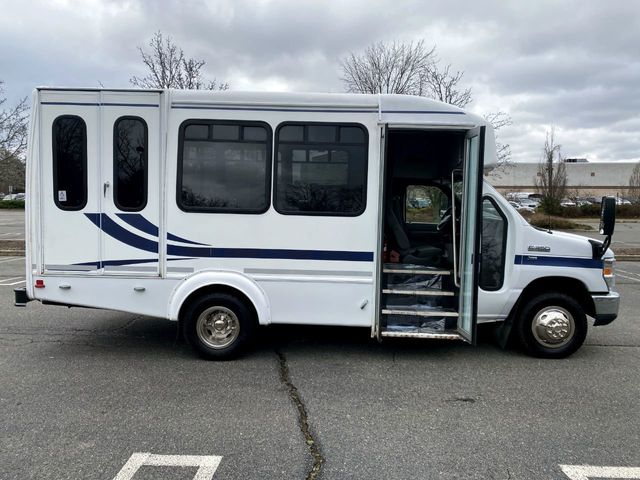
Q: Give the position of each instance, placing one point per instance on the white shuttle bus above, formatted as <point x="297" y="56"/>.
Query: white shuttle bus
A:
<point x="230" y="210"/>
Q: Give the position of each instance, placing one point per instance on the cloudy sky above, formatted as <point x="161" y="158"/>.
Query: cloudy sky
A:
<point x="574" y="65"/>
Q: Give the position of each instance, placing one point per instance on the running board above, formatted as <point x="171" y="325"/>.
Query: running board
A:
<point x="435" y="293"/>
<point x="434" y="336"/>
<point x="420" y="313"/>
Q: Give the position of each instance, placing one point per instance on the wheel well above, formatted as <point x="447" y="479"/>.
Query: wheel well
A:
<point x="209" y="289"/>
<point x="566" y="285"/>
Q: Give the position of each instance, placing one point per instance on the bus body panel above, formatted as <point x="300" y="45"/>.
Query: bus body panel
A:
<point x="286" y="265"/>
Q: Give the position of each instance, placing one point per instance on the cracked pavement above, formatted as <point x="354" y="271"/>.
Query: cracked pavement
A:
<point x="81" y="390"/>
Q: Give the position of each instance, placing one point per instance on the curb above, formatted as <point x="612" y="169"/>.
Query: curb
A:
<point x="11" y="253"/>
<point x="627" y="258"/>
<point x="12" y="248"/>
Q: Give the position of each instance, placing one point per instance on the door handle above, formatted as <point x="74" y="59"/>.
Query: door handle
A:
<point x="105" y="187"/>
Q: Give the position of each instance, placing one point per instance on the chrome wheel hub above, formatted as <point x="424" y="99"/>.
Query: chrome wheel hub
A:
<point x="553" y="327"/>
<point x="218" y="327"/>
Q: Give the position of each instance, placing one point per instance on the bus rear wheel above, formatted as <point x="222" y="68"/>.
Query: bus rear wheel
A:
<point x="551" y="325"/>
<point x="218" y="325"/>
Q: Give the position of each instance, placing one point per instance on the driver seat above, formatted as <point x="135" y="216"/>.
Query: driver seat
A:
<point x="418" y="255"/>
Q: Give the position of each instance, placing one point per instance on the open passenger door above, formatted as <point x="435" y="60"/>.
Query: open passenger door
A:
<point x="471" y="216"/>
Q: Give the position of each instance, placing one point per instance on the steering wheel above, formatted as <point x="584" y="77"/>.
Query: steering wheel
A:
<point x="445" y="220"/>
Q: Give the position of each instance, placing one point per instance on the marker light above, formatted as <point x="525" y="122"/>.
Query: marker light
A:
<point x="39" y="284"/>
<point x="609" y="272"/>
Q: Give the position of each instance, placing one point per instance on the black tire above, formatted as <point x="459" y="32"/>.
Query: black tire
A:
<point x="557" y="304"/>
<point x="213" y="343"/>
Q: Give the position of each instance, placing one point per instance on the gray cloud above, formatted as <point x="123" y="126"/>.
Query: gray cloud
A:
<point x="572" y="64"/>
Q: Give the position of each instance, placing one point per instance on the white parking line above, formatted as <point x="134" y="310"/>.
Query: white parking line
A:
<point x="208" y="464"/>
<point x="628" y="278"/>
<point x="5" y="280"/>
<point x="10" y="284"/>
<point x="11" y="259"/>
<point x="629" y="273"/>
<point x="584" y="472"/>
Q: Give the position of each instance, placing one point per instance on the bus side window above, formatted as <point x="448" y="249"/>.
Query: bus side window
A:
<point x="224" y="166"/>
<point x="69" y="133"/>
<point x="130" y="163"/>
<point x="321" y="169"/>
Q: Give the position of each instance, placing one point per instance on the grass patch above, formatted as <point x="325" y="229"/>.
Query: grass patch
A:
<point x="554" y="223"/>
<point x="11" y="203"/>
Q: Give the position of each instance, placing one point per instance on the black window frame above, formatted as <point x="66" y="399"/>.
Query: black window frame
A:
<point x="55" y="163"/>
<point x="505" y="236"/>
<point x="320" y="146"/>
<point x="146" y="164"/>
<point x="268" y="160"/>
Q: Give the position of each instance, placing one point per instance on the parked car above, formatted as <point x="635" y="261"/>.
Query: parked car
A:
<point x="14" y="196"/>
<point x="622" y="201"/>
<point x="567" y="203"/>
<point x="522" y="208"/>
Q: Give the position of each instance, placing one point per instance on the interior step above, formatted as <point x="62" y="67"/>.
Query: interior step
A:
<point x="436" y="293"/>
<point x="416" y="311"/>
<point x="414" y="271"/>
<point x="418" y="334"/>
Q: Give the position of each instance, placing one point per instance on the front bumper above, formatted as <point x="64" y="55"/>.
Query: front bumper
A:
<point x="606" y="307"/>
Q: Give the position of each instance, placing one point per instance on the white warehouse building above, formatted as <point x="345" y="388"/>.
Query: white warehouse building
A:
<point x="583" y="178"/>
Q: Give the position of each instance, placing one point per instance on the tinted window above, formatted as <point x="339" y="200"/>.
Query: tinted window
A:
<point x="317" y="173"/>
<point x="494" y="234"/>
<point x="69" y="162"/>
<point x="130" y="163"/>
<point x="228" y="170"/>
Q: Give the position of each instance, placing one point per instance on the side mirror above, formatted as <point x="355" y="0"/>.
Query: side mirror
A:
<point x="607" y="216"/>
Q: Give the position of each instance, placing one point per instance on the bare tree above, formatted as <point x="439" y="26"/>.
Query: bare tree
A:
<point x="551" y="180"/>
<point x="404" y="68"/>
<point x="413" y="69"/>
<point x="498" y="120"/>
<point x="443" y="85"/>
<point x="13" y="127"/>
<point x="389" y="68"/>
<point x="633" y="192"/>
<point x="169" y="68"/>
<point x="13" y="142"/>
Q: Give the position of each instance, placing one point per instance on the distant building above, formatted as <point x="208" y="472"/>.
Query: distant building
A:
<point x="583" y="178"/>
<point x="575" y="160"/>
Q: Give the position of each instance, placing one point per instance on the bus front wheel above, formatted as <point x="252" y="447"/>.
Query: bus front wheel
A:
<point x="218" y="325"/>
<point x="551" y="325"/>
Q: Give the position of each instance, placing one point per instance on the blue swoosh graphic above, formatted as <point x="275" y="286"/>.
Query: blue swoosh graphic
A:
<point x="136" y="220"/>
<point x="123" y="235"/>
<point x="111" y="228"/>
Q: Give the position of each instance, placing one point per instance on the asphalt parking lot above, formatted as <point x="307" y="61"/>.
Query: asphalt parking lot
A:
<point x="81" y="391"/>
<point x="11" y="224"/>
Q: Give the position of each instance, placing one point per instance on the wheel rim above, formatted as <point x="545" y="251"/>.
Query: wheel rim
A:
<point x="218" y="327"/>
<point x="553" y="327"/>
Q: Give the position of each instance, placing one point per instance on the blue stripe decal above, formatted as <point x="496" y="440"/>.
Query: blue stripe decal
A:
<point x="114" y="230"/>
<point x="547" y="261"/>
<point x="175" y="238"/>
<point x="136" y="220"/>
<point x="93" y="104"/>
<point x="279" y="254"/>
<point x="133" y="261"/>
